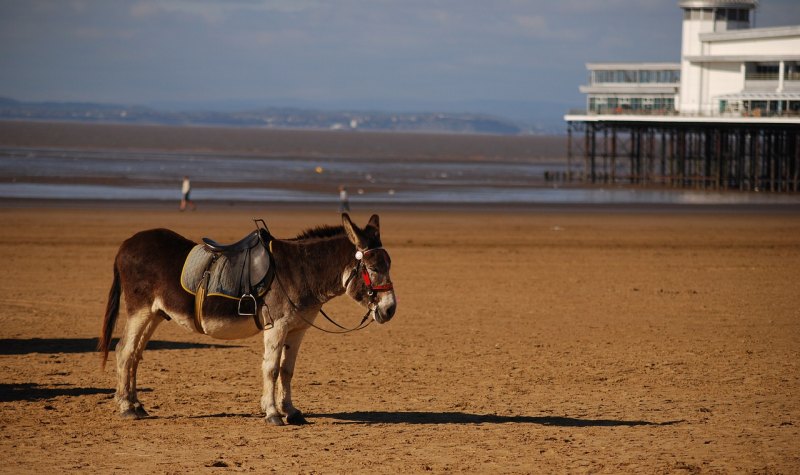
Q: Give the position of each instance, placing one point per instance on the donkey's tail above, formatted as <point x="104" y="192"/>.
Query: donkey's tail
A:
<point x="110" y="320"/>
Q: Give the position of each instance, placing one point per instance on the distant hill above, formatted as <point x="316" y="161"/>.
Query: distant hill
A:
<point x="275" y="118"/>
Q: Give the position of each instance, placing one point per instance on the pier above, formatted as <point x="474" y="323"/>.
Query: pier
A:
<point x="724" y="117"/>
<point x="746" y="156"/>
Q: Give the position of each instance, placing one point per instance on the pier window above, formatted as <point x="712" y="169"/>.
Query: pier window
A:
<point x="631" y="76"/>
<point x="761" y="71"/>
<point x="733" y="14"/>
<point x="732" y="106"/>
<point x="791" y="71"/>
<point x="616" y="76"/>
<point x="770" y="107"/>
<point x="610" y="105"/>
<point x="760" y="106"/>
<point x="669" y="76"/>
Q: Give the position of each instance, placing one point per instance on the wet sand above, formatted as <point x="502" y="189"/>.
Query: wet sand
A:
<point x="281" y="143"/>
<point x="540" y="340"/>
<point x="229" y="167"/>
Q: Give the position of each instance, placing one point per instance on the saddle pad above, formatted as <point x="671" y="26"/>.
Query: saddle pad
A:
<point x="226" y="272"/>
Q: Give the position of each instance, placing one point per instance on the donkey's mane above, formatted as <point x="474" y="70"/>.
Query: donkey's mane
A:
<point x="320" y="232"/>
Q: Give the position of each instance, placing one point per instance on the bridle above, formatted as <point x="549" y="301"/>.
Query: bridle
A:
<point x="372" y="291"/>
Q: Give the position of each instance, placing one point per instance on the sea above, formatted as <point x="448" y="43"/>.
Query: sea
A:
<point x="73" y="174"/>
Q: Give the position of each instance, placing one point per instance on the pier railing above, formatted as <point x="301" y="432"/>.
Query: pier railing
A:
<point x="674" y="113"/>
<point x="748" y="76"/>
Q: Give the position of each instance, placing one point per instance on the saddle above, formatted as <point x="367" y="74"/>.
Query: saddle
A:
<point x="248" y="242"/>
<point x="240" y="271"/>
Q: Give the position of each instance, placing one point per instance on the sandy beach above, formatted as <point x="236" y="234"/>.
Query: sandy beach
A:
<point x="525" y="341"/>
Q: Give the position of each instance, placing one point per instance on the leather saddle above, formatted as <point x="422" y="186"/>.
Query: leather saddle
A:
<point x="241" y="271"/>
<point x="248" y="242"/>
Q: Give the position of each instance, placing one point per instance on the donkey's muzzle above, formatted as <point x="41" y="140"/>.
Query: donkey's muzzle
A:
<point x="384" y="313"/>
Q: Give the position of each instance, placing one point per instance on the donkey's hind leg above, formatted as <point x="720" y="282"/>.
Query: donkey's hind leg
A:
<point x="138" y="330"/>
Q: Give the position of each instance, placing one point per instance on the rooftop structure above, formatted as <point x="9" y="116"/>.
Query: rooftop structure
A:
<point x="727" y="69"/>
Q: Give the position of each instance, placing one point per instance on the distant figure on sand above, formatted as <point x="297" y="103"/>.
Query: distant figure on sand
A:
<point x="344" y="201"/>
<point x="186" y="190"/>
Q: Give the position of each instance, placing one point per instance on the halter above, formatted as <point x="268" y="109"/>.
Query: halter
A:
<point x="372" y="290"/>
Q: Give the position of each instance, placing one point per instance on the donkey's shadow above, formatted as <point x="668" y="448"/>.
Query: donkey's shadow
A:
<point x="26" y="346"/>
<point x="438" y="418"/>
<point x="383" y="417"/>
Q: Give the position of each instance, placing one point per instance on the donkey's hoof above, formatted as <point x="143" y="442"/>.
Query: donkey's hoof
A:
<point x="296" y="419"/>
<point x="129" y="414"/>
<point x="140" y="412"/>
<point x="275" y="420"/>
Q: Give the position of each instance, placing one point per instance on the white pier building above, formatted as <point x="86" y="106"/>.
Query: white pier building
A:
<point x="727" y="69"/>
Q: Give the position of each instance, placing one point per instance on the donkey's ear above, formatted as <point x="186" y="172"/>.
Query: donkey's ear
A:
<point x="374" y="222"/>
<point x="372" y="232"/>
<point x="353" y="233"/>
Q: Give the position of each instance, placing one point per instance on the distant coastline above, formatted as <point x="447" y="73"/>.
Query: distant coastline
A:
<point x="265" y="117"/>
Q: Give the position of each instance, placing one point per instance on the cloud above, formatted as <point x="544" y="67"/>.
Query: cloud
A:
<point x="548" y="29"/>
<point x="144" y="9"/>
<point x="97" y="33"/>
<point x="532" y="22"/>
<point x="216" y="11"/>
<point x="616" y="6"/>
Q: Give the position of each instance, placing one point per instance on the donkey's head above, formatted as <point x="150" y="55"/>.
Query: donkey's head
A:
<point x="369" y="283"/>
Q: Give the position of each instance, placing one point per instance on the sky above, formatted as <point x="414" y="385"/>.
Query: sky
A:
<point x="357" y="54"/>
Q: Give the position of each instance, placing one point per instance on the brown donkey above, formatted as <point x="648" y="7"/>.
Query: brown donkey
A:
<point x="311" y="269"/>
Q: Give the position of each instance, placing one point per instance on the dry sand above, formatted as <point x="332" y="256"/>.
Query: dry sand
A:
<point x="524" y="342"/>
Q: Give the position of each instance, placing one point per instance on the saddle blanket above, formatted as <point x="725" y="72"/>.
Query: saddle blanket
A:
<point x="227" y="272"/>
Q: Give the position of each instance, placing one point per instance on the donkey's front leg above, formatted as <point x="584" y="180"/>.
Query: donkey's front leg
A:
<point x="284" y="389"/>
<point x="274" y="339"/>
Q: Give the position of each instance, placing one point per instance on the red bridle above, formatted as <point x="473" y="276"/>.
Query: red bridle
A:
<point x="371" y="289"/>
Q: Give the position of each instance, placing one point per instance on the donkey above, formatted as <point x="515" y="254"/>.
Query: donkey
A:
<point x="310" y="269"/>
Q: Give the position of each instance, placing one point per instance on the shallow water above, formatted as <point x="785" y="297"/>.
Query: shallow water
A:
<point x="127" y="175"/>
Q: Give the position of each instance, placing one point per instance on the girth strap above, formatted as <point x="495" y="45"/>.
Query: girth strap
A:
<point x="199" y="300"/>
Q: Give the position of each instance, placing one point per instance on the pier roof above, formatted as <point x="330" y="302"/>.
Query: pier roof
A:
<point x="751" y="34"/>
<point x="741" y="58"/>
<point x="633" y="66"/>
<point x="718" y="3"/>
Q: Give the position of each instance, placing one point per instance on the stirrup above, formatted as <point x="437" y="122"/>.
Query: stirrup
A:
<point x="248" y="297"/>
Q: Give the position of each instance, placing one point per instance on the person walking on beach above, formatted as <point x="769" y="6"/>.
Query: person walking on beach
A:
<point x="186" y="189"/>
<point x="344" y="200"/>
